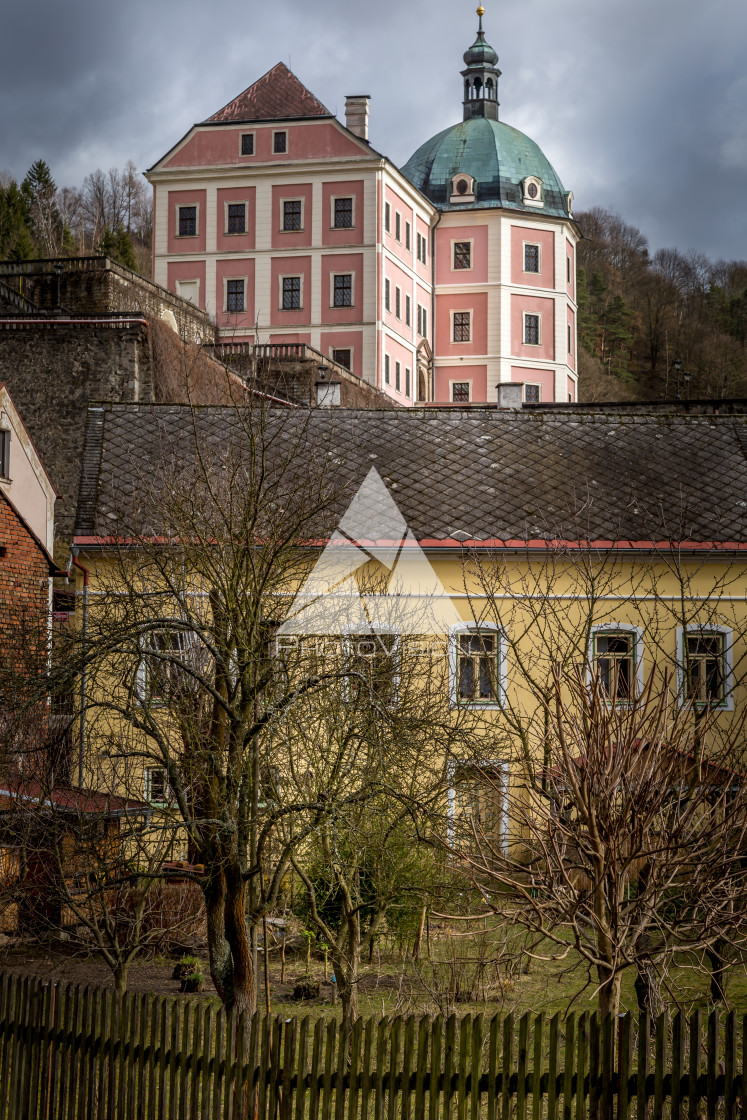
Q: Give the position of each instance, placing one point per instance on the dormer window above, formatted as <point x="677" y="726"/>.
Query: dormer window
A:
<point x="532" y="192"/>
<point x="462" y="188"/>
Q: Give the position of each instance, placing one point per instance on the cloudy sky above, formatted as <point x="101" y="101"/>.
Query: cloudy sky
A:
<point x="641" y="105"/>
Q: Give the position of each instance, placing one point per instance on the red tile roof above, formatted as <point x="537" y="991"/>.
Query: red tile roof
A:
<point x="277" y="95"/>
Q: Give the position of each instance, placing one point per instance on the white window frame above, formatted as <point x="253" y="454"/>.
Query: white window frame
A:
<point x="387" y="370"/>
<point x="5" y="438"/>
<point x="288" y="276"/>
<point x="462" y="311"/>
<point x="247" y="155"/>
<point x="536" y="385"/>
<point x="728" y="655"/>
<point x="147" y="780"/>
<point x="236" y="202"/>
<point x="422" y="320"/>
<point x="452" y="768"/>
<point x="463" y="241"/>
<point x="352" y="355"/>
<point x="345" y="306"/>
<point x="398" y="227"/>
<point x="397" y="376"/>
<point x="408" y="383"/>
<point x="177" y="207"/>
<point x="332" y="200"/>
<point x="534" y="245"/>
<point x="398" y="302"/>
<point x="292" y="198"/>
<point x="387" y="294"/>
<point x="619" y="628"/>
<point x="408" y="236"/>
<point x="538" y="315"/>
<point x="408" y="310"/>
<point x="500" y="701"/>
<point x="539" y="201"/>
<point x="278" y="132"/>
<point x="570" y="339"/>
<point x="459" y="381"/>
<point x="568" y="273"/>
<point x="469" y="194"/>
<point x="387" y="217"/>
<point x="225" y="294"/>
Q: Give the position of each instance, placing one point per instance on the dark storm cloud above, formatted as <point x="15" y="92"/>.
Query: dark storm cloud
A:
<point x="640" y="104"/>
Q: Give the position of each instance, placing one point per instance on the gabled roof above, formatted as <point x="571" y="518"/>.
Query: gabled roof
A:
<point x="277" y="95"/>
<point x="485" y="473"/>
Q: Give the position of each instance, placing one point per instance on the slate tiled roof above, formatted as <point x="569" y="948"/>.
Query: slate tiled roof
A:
<point x="480" y="472"/>
<point x="277" y="95"/>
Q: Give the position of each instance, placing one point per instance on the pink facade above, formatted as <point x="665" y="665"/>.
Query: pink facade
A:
<point x="398" y="279"/>
<point x="571" y="331"/>
<point x="521" y="306"/>
<point x="447" y="306"/>
<point x="475" y="377"/>
<point x="398" y="245"/>
<point x="545" y="378"/>
<point x="571" y="391"/>
<point x="193" y="243"/>
<point x="344" y="340"/>
<point x="477" y="237"/>
<point x="398" y="353"/>
<point x="187" y="271"/>
<point x="342" y="264"/>
<point x="570" y="270"/>
<point x="291" y="239"/>
<point x="331" y="191"/>
<point x="221" y="145"/>
<point x="544" y="240"/>
<point x="236" y="242"/>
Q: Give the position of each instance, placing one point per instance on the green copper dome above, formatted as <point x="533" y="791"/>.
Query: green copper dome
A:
<point x="498" y="157"/>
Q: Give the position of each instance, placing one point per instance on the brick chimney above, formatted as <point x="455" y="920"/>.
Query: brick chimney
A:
<point x="356" y="114"/>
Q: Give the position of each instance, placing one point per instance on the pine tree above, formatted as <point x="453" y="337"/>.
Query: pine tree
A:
<point x="117" y="246"/>
<point x="40" y="191"/>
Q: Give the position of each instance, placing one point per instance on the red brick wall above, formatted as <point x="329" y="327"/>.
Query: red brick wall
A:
<point x="24" y="575"/>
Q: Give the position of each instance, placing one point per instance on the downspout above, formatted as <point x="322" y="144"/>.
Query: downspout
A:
<point x="75" y="562"/>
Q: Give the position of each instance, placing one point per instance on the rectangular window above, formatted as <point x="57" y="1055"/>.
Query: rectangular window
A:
<point x="247" y="143"/>
<point x="462" y="326"/>
<point x="235" y="295"/>
<point x="343" y="358"/>
<point x="387" y="296"/>
<point x="408" y="310"/>
<point x="704" y="668"/>
<point x="568" y="268"/>
<point x="531" y="258"/>
<point x="162" y="674"/>
<point x="479" y="806"/>
<point x="532" y="394"/>
<point x="408" y="236"/>
<point x="531" y="330"/>
<point x="387" y="217"/>
<point x="398" y="226"/>
<point x="292" y="213"/>
<point x="408" y="382"/>
<point x="343" y="213"/>
<point x="570" y="340"/>
<point x="343" y="290"/>
<point x="460" y="392"/>
<point x="421" y="248"/>
<point x="477" y="667"/>
<point x="236" y="217"/>
<point x="187" y="221"/>
<point x="397" y="376"/>
<point x="374" y="664"/>
<point x="398" y="302"/>
<point x="424" y="331"/>
<point x="4" y="453"/>
<point x="280" y="143"/>
<point x="291" y="293"/>
<point x="614" y="659"/>
<point x="462" y="255"/>
<point x="386" y="369"/>
<point x="156" y="785"/>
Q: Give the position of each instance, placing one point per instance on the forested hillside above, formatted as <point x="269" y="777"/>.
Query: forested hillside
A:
<point x="653" y="326"/>
<point x="111" y="213"/>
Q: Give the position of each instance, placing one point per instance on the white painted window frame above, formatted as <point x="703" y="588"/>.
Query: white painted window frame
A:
<point x="462" y="311"/>
<point x="292" y="198"/>
<point x="387" y="370"/>
<point x="225" y="294"/>
<point x="191" y="280"/>
<point x="619" y="628"/>
<point x="469" y="194"/>
<point x="345" y="306"/>
<point x="236" y="202"/>
<point x="534" y="384"/>
<point x="463" y="241"/>
<point x="534" y="245"/>
<point x="289" y="276"/>
<point x="500" y="702"/>
<point x="352" y="354"/>
<point x="186" y="236"/>
<point x="728" y="655"/>
<point x="538" y="315"/>
<point x="277" y="132"/>
<point x="333" y="198"/>
<point x="459" y="381"/>
<point x="247" y="155"/>
<point x="539" y="201"/>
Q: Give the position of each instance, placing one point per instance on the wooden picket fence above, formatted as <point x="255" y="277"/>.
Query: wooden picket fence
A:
<point x="80" y="1053"/>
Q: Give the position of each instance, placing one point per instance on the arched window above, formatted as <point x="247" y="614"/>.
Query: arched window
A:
<point x="478" y="88"/>
<point x="489" y="89"/>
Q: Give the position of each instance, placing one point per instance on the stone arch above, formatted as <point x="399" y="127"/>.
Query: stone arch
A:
<point x="169" y="318"/>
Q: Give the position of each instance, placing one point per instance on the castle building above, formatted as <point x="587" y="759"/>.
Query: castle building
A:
<point x="435" y="282"/>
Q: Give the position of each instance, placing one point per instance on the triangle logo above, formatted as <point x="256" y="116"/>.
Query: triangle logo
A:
<point x="372" y="576"/>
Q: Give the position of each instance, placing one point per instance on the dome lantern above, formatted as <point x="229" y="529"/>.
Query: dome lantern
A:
<point x="481" y="77"/>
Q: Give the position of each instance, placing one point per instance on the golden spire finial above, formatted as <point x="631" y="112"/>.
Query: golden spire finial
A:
<point x="481" y="11"/>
